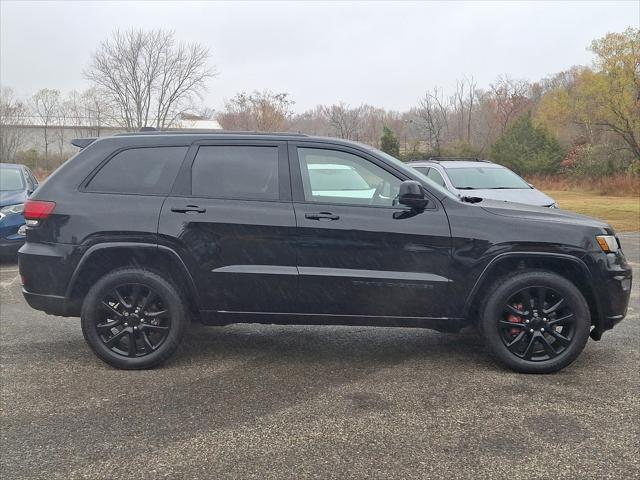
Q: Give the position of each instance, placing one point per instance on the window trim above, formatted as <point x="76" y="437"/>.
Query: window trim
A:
<point x="297" y="186"/>
<point x="183" y="186"/>
<point x="83" y="187"/>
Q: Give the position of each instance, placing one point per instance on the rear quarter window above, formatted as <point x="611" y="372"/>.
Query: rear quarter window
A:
<point x="145" y="171"/>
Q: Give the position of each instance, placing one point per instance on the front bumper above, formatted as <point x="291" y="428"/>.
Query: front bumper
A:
<point x="613" y="290"/>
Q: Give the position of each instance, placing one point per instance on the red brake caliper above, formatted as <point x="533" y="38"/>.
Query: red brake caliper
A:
<point x="515" y="319"/>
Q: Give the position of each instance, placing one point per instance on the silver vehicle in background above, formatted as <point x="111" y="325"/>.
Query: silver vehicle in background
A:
<point x="469" y="177"/>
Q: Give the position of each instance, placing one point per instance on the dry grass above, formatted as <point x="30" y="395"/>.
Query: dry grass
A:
<point x="622" y="213"/>
<point x="615" y="185"/>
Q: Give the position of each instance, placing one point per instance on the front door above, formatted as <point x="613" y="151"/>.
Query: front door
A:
<point x="357" y="252"/>
<point x="231" y="218"/>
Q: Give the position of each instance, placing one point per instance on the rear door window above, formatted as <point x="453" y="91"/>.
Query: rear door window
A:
<point x="238" y="171"/>
<point x="146" y="171"/>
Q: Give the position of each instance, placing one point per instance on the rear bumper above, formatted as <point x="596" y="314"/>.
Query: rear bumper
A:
<point x="51" y="304"/>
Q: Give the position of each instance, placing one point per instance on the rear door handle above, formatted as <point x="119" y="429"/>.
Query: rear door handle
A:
<point x="322" y="216"/>
<point x="189" y="209"/>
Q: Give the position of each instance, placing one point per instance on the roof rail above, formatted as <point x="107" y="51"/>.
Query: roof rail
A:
<point x="197" y="131"/>
<point x="457" y="159"/>
<point x="82" y="142"/>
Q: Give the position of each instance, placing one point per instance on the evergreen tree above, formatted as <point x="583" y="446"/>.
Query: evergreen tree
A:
<point x="527" y="149"/>
<point x="389" y="143"/>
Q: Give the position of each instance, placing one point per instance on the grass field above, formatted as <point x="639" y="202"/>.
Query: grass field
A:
<point x="622" y="213"/>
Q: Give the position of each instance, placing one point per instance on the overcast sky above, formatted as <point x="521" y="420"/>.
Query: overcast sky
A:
<point x="382" y="53"/>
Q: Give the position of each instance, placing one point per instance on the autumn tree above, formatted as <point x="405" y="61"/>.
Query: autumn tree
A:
<point x="604" y="99"/>
<point x="264" y="111"/>
<point x="149" y="77"/>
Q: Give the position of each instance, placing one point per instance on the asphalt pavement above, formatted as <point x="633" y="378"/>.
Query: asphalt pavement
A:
<point x="257" y="401"/>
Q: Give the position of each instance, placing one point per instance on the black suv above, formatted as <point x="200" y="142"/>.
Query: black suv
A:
<point x="140" y="234"/>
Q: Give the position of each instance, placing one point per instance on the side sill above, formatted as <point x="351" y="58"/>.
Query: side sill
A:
<point x="212" y="317"/>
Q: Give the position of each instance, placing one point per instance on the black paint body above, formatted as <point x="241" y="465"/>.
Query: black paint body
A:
<point x="265" y="261"/>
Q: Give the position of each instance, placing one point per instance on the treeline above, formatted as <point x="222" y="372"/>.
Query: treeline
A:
<point x="584" y="122"/>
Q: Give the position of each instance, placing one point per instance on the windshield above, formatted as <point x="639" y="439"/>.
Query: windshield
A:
<point x="434" y="187"/>
<point x="10" y="179"/>
<point x="477" y="178"/>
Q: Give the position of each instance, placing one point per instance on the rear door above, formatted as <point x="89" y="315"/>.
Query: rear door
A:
<point x="358" y="253"/>
<point x="231" y="218"/>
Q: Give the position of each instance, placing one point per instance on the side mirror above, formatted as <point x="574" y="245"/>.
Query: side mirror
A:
<point x="412" y="195"/>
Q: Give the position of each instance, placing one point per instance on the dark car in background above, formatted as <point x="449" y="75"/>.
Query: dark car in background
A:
<point x="16" y="184"/>
<point x="139" y="234"/>
<point x="483" y="179"/>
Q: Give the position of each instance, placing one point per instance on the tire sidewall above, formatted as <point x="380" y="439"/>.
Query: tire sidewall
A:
<point x="494" y="307"/>
<point x="171" y="299"/>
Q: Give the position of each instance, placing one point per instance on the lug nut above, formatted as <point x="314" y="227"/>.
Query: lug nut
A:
<point x="126" y="314"/>
<point x="126" y="324"/>
<point x="135" y="328"/>
<point x="526" y="321"/>
<point x="531" y="331"/>
<point x="542" y="329"/>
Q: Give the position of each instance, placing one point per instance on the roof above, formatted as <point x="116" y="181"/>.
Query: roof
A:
<point x="11" y="165"/>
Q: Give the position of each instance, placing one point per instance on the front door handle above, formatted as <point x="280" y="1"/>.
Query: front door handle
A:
<point x="322" y="216"/>
<point x="189" y="209"/>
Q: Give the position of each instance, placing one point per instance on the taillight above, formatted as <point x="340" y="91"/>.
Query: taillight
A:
<point x="37" y="209"/>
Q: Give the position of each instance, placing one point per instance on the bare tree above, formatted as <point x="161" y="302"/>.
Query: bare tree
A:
<point x="259" y="111"/>
<point x="46" y="103"/>
<point x="149" y="77"/>
<point x="510" y="100"/>
<point x="13" y="116"/>
<point x="88" y="112"/>
<point x="433" y="113"/>
<point x="346" y="122"/>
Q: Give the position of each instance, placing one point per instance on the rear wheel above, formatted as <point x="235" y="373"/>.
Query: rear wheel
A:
<point x="133" y="318"/>
<point x="535" y="322"/>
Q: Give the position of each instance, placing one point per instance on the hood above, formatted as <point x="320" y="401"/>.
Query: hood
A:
<point x="529" y="196"/>
<point x="522" y="211"/>
<point x="11" y="197"/>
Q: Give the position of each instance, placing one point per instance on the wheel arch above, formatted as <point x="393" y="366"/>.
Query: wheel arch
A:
<point x="568" y="266"/>
<point x="102" y="258"/>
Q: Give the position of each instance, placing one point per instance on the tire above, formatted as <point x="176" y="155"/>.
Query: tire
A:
<point x="133" y="303"/>
<point x="540" y="340"/>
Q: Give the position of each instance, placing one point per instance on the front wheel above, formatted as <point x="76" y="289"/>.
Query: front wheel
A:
<point x="133" y="318"/>
<point x="535" y="322"/>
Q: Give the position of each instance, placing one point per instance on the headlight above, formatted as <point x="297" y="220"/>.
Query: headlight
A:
<point x="608" y="243"/>
<point x="11" y="209"/>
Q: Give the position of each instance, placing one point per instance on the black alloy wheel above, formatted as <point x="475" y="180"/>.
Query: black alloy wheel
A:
<point x="535" y="321"/>
<point x="133" y="318"/>
<point x="538" y="324"/>
<point x="135" y="321"/>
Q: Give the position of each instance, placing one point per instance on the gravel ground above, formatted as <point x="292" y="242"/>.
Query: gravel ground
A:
<point x="253" y="401"/>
